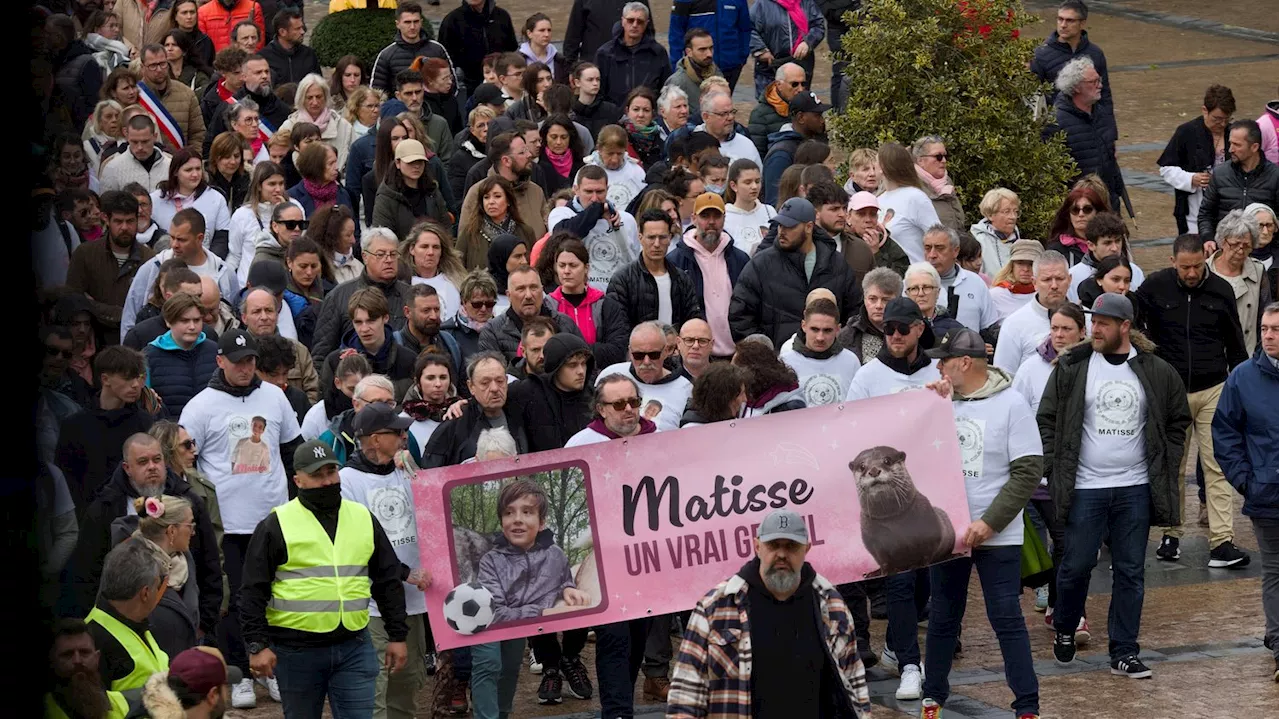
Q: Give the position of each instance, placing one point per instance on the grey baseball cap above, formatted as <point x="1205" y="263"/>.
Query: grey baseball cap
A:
<point x="1109" y="304"/>
<point x="795" y="211"/>
<point x="311" y="456"/>
<point x="783" y="524"/>
<point x="959" y="342"/>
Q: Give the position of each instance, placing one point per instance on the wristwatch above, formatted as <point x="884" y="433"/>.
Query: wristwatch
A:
<point x="254" y="647"/>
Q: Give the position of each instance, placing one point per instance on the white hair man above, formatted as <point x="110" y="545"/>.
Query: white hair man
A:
<point x="963" y="293"/>
<point x="773" y="110"/>
<point x="1237" y="236"/>
<point x="1090" y="137"/>
<point x="381" y="252"/>
<point x="1024" y="330"/>
<point x="719" y="119"/>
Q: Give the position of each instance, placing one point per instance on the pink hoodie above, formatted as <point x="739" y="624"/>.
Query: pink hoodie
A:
<point x="717" y="290"/>
<point x="581" y="315"/>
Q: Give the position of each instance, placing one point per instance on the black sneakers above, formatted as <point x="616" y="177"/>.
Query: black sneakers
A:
<point x="1168" y="550"/>
<point x="550" y="687"/>
<point x="1064" y="648"/>
<point x="1130" y="666"/>
<point x="1228" y="555"/>
<point x="575" y="674"/>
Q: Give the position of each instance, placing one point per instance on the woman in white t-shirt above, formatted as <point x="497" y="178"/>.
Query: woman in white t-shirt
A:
<point x="746" y="219"/>
<point x="428" y="256"/>
<point x="904" y="195"/>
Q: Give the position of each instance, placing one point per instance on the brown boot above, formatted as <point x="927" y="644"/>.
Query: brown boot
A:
<point x="656" y="688"/>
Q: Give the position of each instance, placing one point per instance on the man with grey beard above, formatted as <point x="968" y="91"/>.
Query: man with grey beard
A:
<point x="798" y="668"/>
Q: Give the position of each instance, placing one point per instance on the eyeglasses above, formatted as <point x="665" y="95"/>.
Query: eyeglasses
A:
<point x="383" y="255"/>
<point x="386" y="431"/>
<point x="294" y="224"/>
<point x="726" y="113"/>
<point x="653" y="356"/>
<point x="696" y="341"/>
<point x="156" y="65"/>
<point x="482" y="304"/>
<point x="188" y="444"/>
<point x="1235" y="246"/>
<point x="939" y="156"/>
<point x="896" y="328"/>
<point x="921" y="289"/>
<point x="619" y="405"/>
<point x="51" y="351"/>
<point x="1266" y="225"/>
<point x="1082" y="210"/>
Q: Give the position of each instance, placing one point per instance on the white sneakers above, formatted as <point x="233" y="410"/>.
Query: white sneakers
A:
<point x="272" y="686"/>
<point x="242" y="696"/>
<point x="909" y="687"/>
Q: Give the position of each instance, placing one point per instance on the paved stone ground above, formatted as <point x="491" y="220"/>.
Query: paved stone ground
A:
<point x="1202" y="627"/>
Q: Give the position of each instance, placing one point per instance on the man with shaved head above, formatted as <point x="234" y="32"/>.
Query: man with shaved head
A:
<point x="217" y="315"/>
<point x="659" y="385"/>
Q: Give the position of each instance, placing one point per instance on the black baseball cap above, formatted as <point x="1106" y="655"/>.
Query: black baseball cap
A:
<point x="236" y="345"/>
<point x="959" y="342"/>
<point x="377" y="417"/>
<point x="268" y="275"/>
<point x="902" y="309"/>
<point x="807" y="102"/>
<point x="488" y="94"/>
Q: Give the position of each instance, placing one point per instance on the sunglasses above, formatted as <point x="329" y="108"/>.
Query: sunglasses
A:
<point x="652" y="356"/>
<point x="801" y="83"/>
<point x="483" y="304"/>
<point x="896" y="328"/>
<point x="1082" y="210"/>
<point x="619" y="405"/>
<point x="188" y="444"/>
<point x="940" y="157"/>
<point x="54" y="352"/>
<point x="294" y="224"/>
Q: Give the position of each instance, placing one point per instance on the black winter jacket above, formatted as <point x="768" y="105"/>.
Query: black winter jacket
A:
<point x="683" y="258"/>
<point x="470" y="152"/>
<point x="769" y="295"/>
<point x="591" y="24"/>
<point x="85" y="567"/>
<point x="1231" y="188"/>
<point x="549" y="414"/>
<point x="398" y="56"/>
<point x="176" y="374"/>
<point x="468" y="340"/>
<point x="599" y="113"/>
<point x="289" y="65"/>
<point x="393" y="361"/>
<point x="468" y="36"/>
<point x="502" y="334"/>
<point x="634" y="288"/>
<point x="623" y="68"/>
<point x="1190" y="149"/>
<point x="1091" y="142"/>
<point x="334" y="323"/>
<point x="1050" y="58"/>
<point x="176" y="618"/>
<point x="90" y="446"/>
<point x="1061" y="421"/>
<point x="1195" y="329"/>
<point x="454" y="441"/>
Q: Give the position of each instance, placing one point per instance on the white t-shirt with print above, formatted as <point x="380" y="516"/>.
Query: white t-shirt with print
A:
<point x="993" y="432"/>
<point x="248" y="474"/>
<point x="822" y="381"/>
<point x="389" y="499"/>
<point x="1112" y="443"/>
<point x="877" y="380"/>
<point x="662" y="403"/>
<point x="747" y="228"/>
<point x="610" y="248"/>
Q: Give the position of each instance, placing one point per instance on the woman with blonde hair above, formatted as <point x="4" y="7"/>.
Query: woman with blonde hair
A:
<point x="103" y="134"/>
<point x="165" y="525"/>
<point x="311" y="104"/>
<point x="998" y="230"/>
<point x="864" y="171"/>
<point x="361" y="110"/>
<point x="428" y="256"/>
<point x="471" y="148"/>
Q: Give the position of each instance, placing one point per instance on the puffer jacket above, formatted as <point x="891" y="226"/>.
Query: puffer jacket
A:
<point x="635" y="290"/>
<point x="599" y="113"/>
<point x="1246" y="441"/>
<point x="502" y="334"/>
<point x="729" y="23"/>
<point x="216" y="19"/>
<point x="1231" y="188"/>
<point x="1195" y="329"/>
<point x="769" y="295"/>
<point x="1091" y="142"/>
<point x="334" y="323"/>
<point x="176" y="374"/>
<point x="767" y="117"/>
<point x="607" y="333"/>
<point x="454" y="441"/>
<point x="468" y="35"/>
<point x="398" y="56"/>
<point x="391" y="209"/>
<point x="183" y="104"/>
<point x="466" y="338"/>
<point x="1061" y="421"/>
<point x="549" y="414"/>
<point x="1050" y="58"/>
<point x="524" y="583"/>
<point x="79" y="79"/>
<point x="623" y="68"/>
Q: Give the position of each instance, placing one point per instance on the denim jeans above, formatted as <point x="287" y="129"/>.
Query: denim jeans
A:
<point x="495" y="669"/>
<point x="1125" y="512"/>
<point x="900" y="602"/>
<point x="343" y="672"/>
<point x="619" y="653"/>
<point x="1000" y="574"/>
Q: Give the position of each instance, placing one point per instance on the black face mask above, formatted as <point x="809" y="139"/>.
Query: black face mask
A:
<point x="325" y="498"/>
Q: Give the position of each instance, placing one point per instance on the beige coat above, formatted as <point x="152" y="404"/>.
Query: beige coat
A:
<point x="529" y="203"/>
<point x="1249" y="298"/>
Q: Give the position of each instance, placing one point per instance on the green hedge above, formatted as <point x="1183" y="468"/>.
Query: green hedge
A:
<point x="362" y="33"/>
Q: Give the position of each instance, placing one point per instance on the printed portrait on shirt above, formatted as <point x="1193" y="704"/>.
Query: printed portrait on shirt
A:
<point x="250" y="455"/>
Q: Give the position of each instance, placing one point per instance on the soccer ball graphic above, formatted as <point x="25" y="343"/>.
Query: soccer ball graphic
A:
<point x="469" y="608"/>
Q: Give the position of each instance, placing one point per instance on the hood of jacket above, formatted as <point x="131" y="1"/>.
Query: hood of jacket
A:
<point x="527" y="50"/>
<point x="902" y="365"/>
<point x="219" y="382"/>
<point x="361" y="463"/>
<point x="167" y="343"/>
<point x="264" y="240"/>
<point x="160" y="701"/>
<point x="750" y="573"/>
<point x="499" y="252"/>
<point x="692" y="416"/>
<point x="774" y="396"/>
<point x="1083" y="350"/>
<point x="998" y="381"/>
<point x="786" y="132"/>
<point x="1061" y="45"/>
<point x="800" y="348"/>
<point x="558" y="349"/>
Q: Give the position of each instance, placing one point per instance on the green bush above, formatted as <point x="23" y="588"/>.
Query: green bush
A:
<point x="959" y="70"/>
<point x="362" y="33"/>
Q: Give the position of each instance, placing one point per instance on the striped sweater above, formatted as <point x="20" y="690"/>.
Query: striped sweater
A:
<point x="712" y="677"/>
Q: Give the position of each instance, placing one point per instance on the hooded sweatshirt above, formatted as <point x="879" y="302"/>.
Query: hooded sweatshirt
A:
<point x="580" y="313"/>
<point x="598" y="431"/>
<point x="717" y="289"/>
<point x="387" y="493"/>
<point x="779" y="398"/>
<point x="524" y="582"/>
<point x="552" y="415"/>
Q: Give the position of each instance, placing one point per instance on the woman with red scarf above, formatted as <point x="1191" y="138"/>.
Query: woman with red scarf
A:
<point x="1066" y="232"/>
<point x="428" y="399"/>
<point x="318" y="165"/>
<point x="1014" y="285"/>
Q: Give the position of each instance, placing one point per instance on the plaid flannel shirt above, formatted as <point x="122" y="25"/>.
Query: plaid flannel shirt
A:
<point x="712" y="678"/>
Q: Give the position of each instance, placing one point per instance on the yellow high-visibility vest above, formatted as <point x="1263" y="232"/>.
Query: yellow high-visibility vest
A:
<point x="324" y="583"/>
<point x="148" y="658"/>
<point x="119" y="708"/>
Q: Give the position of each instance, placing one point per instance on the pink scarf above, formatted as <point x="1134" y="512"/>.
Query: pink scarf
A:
<point x="1073" y="241"/>
<point x="321" y="122"/>
<point x="562" y="164"/>
<point x="322" y="194"/>
<point x="799" y="19"/>
<point x="941" y="186"/>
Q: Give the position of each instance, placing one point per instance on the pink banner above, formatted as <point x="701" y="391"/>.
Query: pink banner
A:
<point x="646" y="526"/>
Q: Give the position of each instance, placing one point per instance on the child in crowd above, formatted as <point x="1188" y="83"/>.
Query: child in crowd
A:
<point x="714" y="172"/>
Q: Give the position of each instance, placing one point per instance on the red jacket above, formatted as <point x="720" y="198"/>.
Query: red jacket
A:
<point x="216" y="21"/>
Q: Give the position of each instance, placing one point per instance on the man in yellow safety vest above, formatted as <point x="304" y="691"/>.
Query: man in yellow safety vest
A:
<point x="133" y="580"/>
<point x="311" y="569"/>
<point x="77" y="689"/>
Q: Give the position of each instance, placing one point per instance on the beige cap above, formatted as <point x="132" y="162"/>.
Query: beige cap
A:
<point x="410" y="151"/>
<point x="1027" y="250"/>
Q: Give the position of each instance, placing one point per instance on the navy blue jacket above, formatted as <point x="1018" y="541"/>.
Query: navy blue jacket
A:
<point x="728" y="21"/>
<point x="780" y="155"/>
<point x="681" y="255"/>
<point x="299" y="193"/>
<point x="176" y="374"/>
<point x="1245" y="440"/>
<point x="1049" y="59"/>
<point x="1091" y="142"/>
<point x="360" y="161"/>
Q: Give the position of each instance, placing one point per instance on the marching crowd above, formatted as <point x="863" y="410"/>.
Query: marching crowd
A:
<point x="484" y="245"/>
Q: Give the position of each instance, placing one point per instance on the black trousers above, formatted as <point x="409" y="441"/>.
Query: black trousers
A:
<point x="230" y="640"/>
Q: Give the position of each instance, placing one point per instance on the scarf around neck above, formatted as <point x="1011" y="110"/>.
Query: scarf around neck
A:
<point x="562" y="163"/>
<point x="73" y="180"/>
<point x="798" y="18"/>
<point x="1072" y="241"/>
<point x="1017" y="288"/>
<point x="324" y="195"/>
<point x="422" y="410"/>
<point x="321" y="122"/>
<point x="475" y="325"/>
<point x="644" y="140"/>
<point x="1046" y="351"/>
<point x="698" y="74"/>
<point x="940" y="186"/>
